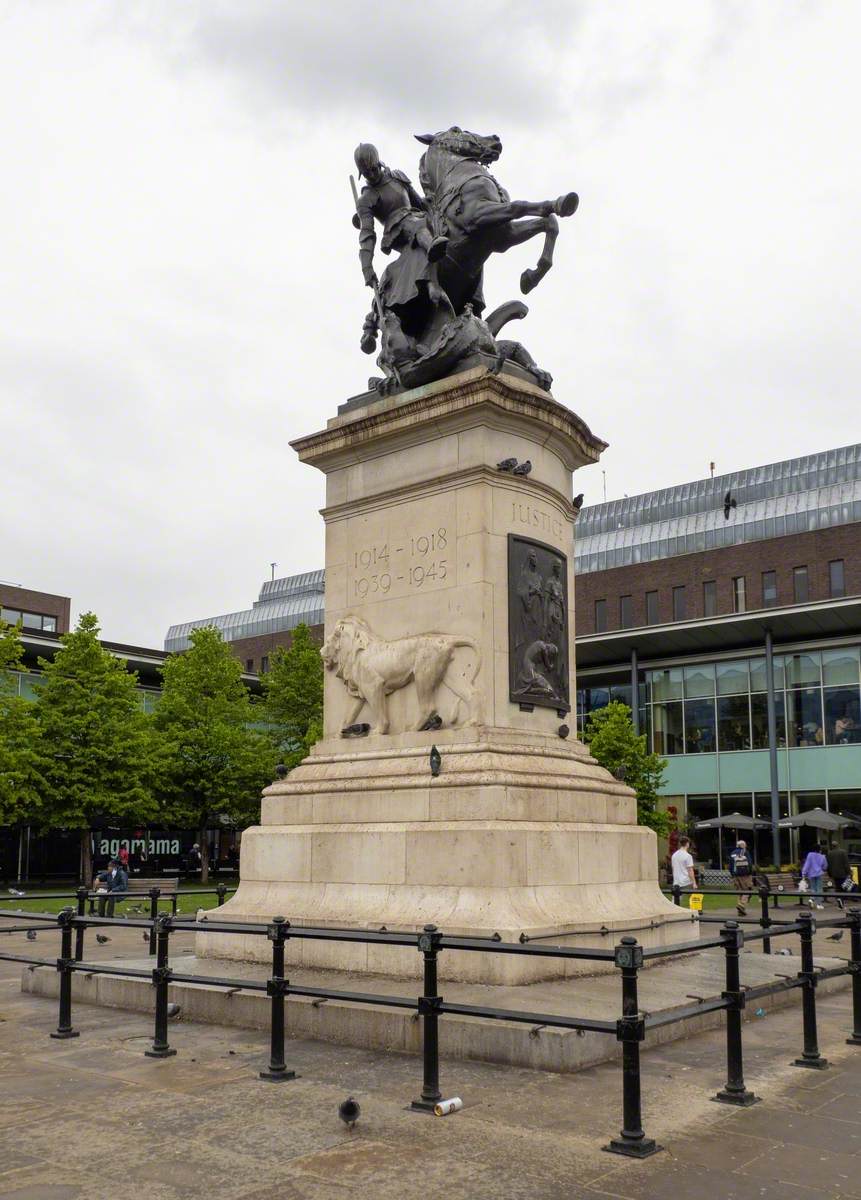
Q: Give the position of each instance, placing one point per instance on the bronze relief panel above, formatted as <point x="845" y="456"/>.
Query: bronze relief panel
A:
<point x="537" y="624"/>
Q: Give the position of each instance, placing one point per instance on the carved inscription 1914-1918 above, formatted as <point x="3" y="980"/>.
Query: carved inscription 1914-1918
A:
<point x="537" y="624"/>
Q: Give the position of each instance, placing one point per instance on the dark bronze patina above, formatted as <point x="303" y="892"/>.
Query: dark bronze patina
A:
<point x="429" y="301"/>
<point x="537" y="625"/>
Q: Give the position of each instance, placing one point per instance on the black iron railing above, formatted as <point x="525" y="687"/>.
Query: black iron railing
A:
<point x="628" y="956"/>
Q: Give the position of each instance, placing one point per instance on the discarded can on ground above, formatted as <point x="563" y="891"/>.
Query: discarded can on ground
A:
<point x="448" y="1106"/>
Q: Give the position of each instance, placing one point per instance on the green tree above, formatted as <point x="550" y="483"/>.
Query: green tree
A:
<point x="95" y="735"/>
<point x="610" y="736"/>
<point x="211" y="763"/>
<point x="293" y="691"/>
<point x="21" y="779"/>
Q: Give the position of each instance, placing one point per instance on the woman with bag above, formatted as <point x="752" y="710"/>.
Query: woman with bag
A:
<point x="815" y="866"/>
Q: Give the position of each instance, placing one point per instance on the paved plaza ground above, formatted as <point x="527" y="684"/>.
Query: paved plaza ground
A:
<point x="92" y="1116"/>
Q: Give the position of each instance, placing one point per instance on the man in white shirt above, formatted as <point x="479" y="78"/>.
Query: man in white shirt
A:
<point x="683" y="865"/>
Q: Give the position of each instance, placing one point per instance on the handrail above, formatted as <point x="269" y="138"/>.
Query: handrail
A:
<point x="628" y="957"/>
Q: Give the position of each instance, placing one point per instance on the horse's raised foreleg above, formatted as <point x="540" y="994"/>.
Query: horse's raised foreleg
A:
<point x="532" y="277"/>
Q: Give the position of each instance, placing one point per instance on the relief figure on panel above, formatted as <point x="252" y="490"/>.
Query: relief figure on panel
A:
<point x="372" y="668"/>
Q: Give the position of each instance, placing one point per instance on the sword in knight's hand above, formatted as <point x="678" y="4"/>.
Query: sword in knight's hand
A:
<point x="376" y="287"/>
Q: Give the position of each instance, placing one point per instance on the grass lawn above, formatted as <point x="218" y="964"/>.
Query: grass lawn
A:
<point x="32" y="903"/>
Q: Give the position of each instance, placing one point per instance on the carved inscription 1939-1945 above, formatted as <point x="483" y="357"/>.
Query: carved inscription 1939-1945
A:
<point x="537" y="624"/>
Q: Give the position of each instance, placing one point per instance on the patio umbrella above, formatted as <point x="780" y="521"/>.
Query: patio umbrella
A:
<point x="733" y="821"/>
<point x="815" y="818"/>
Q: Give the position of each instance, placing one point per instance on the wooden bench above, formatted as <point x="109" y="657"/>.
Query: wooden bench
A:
<point x="779" y="881"/>
<point x="139" y="889"/>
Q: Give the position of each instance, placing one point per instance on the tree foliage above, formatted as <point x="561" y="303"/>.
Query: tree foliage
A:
<point x="209" y="762"/>
<point x="610" y="736"/>
<point x="293" y="690"/>
<point x="95" y="738"/>
<point x="21" y="779"/>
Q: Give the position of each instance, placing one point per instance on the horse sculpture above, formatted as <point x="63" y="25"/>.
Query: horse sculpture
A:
<point x="429" y="311"/>
<point x="477" y="214"/>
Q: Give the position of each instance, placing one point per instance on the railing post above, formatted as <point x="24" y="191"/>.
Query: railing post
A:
<point x="221" y="891"/>
<point x="854" y="915"/>
<point x="735" y="1092"/>
<point x="79" y="932"/>
<point x="276" y="987"/>
<point x="677" y="894"/>
<point x="64" y="966"/>
<point x="161" y="980"/>
<point x="765" y="919"/>
<point x="630" y="1031"/>
<point x="810" y="1056"/>
<point x="154" y="894"/>
<point x="429" y="1007"/>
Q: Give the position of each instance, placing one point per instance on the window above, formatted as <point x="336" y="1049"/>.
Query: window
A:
<point x="29" y="620"/>
<point x="249" y="665"/>
<point x="600" y="616"/>
<point x="759" y="719"/>
<point x="738" y="594"/>
<point x="733" y="723"/>
<point x="264" y="664"/>
<point x="710" y="598"/>
<point x="679" y="606"/>
<point x="769" y="589"/>
<point x="836" y="579"/>
<point x="842" y="716"/>
<point x="799" y="585"/>
<point x="626" y="612"/>
<point x="732" y="677"/>
<point x="49" y="624"/>
<point x="668" y="728"/>
<point x="804" y="717"/>
<point x="699" y="726"/>
<point x="652" y="608"/>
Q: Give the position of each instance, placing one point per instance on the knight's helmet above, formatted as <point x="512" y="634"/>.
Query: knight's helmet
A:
<point x="366" y="157"/>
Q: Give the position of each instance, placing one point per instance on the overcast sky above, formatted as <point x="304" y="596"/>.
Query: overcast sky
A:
<point x="181" y="292"/>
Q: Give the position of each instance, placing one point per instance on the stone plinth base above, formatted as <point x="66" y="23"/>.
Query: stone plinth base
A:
<point x="518" y="834"/>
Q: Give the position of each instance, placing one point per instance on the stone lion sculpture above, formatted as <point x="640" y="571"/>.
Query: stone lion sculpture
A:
<point x="372" y="668"/>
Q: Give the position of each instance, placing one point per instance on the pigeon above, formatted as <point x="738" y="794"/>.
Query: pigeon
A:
<point x="15" y="892"/>
<point x="835" y="937"/>
<point x="522" y="468"/>
<point x="101" y="939"/>
<point x="729" y="503"/>
<point x="785" y="950"/>
<point x="31" y="935"/>
<point x="146" y="936"/>
<point x="578" y="501"/>
<point x="507" y="464"/>
<point x="173" y="1010"/>
<point x="348" y="1111"/>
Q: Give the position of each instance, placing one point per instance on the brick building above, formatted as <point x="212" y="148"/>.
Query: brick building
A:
<point x="681" y="597"/>
<point x="35" y="610"/>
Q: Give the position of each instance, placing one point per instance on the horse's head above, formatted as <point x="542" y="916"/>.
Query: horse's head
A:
<point x="484" y="148"/>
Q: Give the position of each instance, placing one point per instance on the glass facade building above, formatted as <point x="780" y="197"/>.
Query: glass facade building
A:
<point x="795" y="496"/>
<point x="282" y="605"/>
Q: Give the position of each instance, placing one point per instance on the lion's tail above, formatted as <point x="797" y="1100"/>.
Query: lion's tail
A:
<point x="473" y="645"/>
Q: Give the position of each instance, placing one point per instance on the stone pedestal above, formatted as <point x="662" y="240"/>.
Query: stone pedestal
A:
<point x="520" y="831"/>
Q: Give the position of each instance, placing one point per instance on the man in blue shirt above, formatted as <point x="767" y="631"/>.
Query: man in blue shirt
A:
<point x="741" y="869"/>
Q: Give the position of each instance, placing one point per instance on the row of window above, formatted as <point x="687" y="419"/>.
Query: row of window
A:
<point x="708" y="707"/>
<point x="768" y="595"/>
<point x="29" y="620"/>
<point x="264" y="665"/>
<point x="28" y="682"/>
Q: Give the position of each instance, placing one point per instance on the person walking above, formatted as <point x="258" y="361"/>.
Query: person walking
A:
<point x="815" y="866"/>
<point x="840" y="872"/>
<point x="683" y="865"/>
<point x="741" y="870"/>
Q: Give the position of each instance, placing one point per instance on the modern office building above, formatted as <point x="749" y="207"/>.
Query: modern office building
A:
<point x="35" y="610"/>
<point x="678" y="592"/>
<point x="255" y="632"/>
